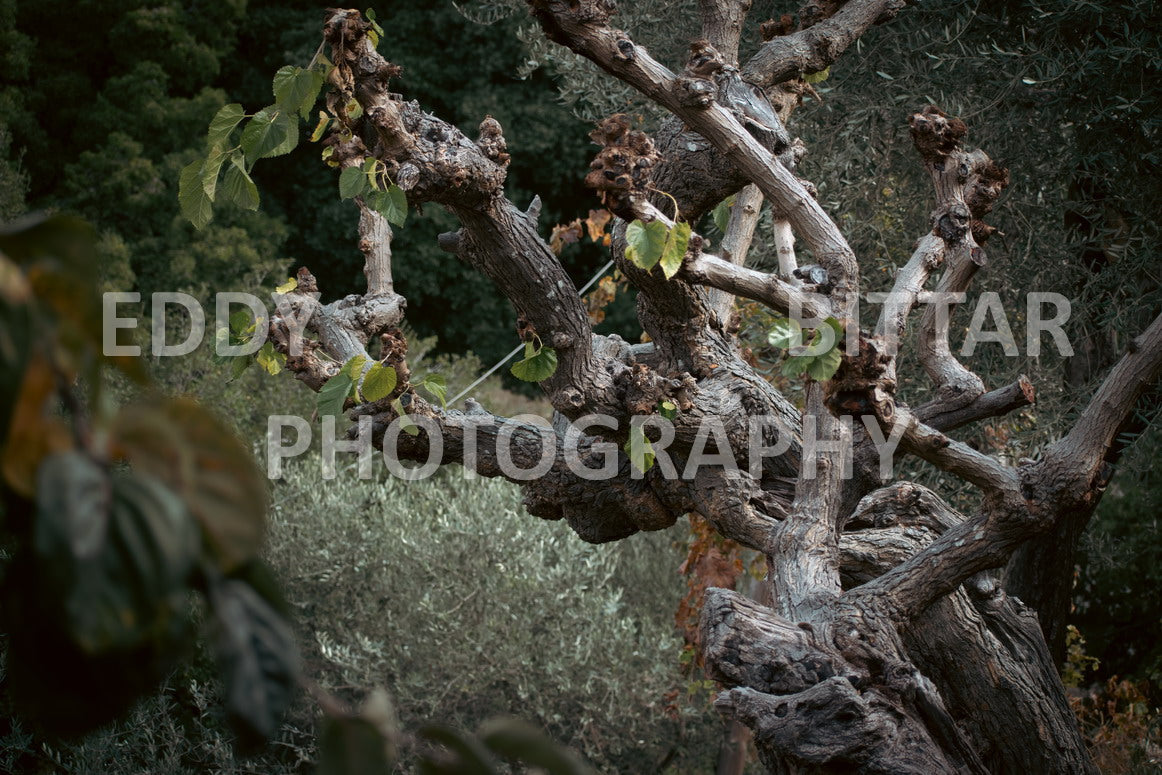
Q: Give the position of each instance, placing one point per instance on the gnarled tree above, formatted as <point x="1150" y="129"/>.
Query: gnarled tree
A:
<point x="891" y="643"/>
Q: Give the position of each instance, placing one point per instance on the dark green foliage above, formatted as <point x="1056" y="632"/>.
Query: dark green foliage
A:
<point x="13" y="179"/>
<point x="460" y="71"/>
<point x="1118" y="609"/>
<point x="107" y="139"/>
<point x="115" y="521"/>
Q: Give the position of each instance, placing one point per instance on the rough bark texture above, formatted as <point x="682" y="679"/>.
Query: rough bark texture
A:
<point x="888" y="644"/>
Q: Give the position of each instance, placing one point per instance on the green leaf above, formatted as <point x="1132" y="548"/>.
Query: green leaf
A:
<point x="241" y="325"/>
<point x="645" y="242"/>
<point x="259" y="661"/>
<point x="668" y="409"/>
<point x="435" y="384"/>
<point x="115" y="553"/>
<point x="290" y="284"/>
<point x="785" y="333"/>
<point x="721" y="213"/>
<point x="237" y="185"/>
<point x="537" y="365"/>
<point x="838" y="328"/>
<point x="823" y="367"/>
<point x="223" y="123"/>
<point x="239" y="364"/>
<point x="405" y="422"/>
<point x="197" y="207"/>
<point x="639" y="449"/>
<point x="321" y="127"/>
<point x="392" y="204"/>
<point x="272" y="131"/>
<point x="352" y="183"/>
<point x="296" y="89"/>
<point x="354" y="369"/>
<point x="370" y="14"/>
<point x="211" y="169"/>
<point x="360" y="745"/>
<point x="379" y="382"/>
<point x="270" y="359"/>
<point x="184" y="445"/>
<point x="796" y="365"/>
<point x="520" y="740"/>
<point x="333" y="394"/>
<point x="675" y="249"/>
<point x="469" y="754"/>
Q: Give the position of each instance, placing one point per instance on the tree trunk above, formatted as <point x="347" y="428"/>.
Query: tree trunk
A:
<point x="887" y="646"/>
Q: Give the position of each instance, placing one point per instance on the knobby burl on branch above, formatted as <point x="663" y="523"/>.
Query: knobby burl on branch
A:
<point x="887" y="647"/>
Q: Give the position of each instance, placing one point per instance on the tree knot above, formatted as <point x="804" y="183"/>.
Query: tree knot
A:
<point x="621" y="169"/>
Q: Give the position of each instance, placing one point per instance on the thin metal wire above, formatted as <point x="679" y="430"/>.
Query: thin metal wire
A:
<point x="520" y="347"/>
<point x="600" y="272"/>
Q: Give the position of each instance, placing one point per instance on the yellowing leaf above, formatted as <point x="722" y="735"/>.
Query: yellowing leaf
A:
<point x="674" y="250"/>
<point x="270" y="359"/>
<point x="596" y="222"/>
<point x="321" y="127"/>
<point x="639" y="449"/>
<point x="435" y="384"/>
<point x="820" y="76"/>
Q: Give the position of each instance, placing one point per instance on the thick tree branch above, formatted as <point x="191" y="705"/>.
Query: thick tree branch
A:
<point x="995" y="403"/>
<point x="1070" y="480"/>
<point x="820" y="699"/>
<point x="803" y="551"/>
<point x="375" y="244"/>
<point x="582" y="27"/>
<point x="433" y="161"/>
<point x="967" y="186"/>
<point x="779" y="295"/>
<point x="815" y="48"/>
<point x="722" y="22"/>
<point x="734" y="279"/>
<point x="1092" y="445"/>
<point x="953" y="456"/>
<point x="744" y="217"/>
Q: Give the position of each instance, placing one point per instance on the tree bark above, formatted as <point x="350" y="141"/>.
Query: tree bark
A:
<point x="888" y="645"/>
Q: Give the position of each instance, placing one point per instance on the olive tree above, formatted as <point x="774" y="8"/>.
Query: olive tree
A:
<point x="890" y="642"/>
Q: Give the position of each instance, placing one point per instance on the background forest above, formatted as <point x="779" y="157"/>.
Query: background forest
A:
<point x="102" y="102"/>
